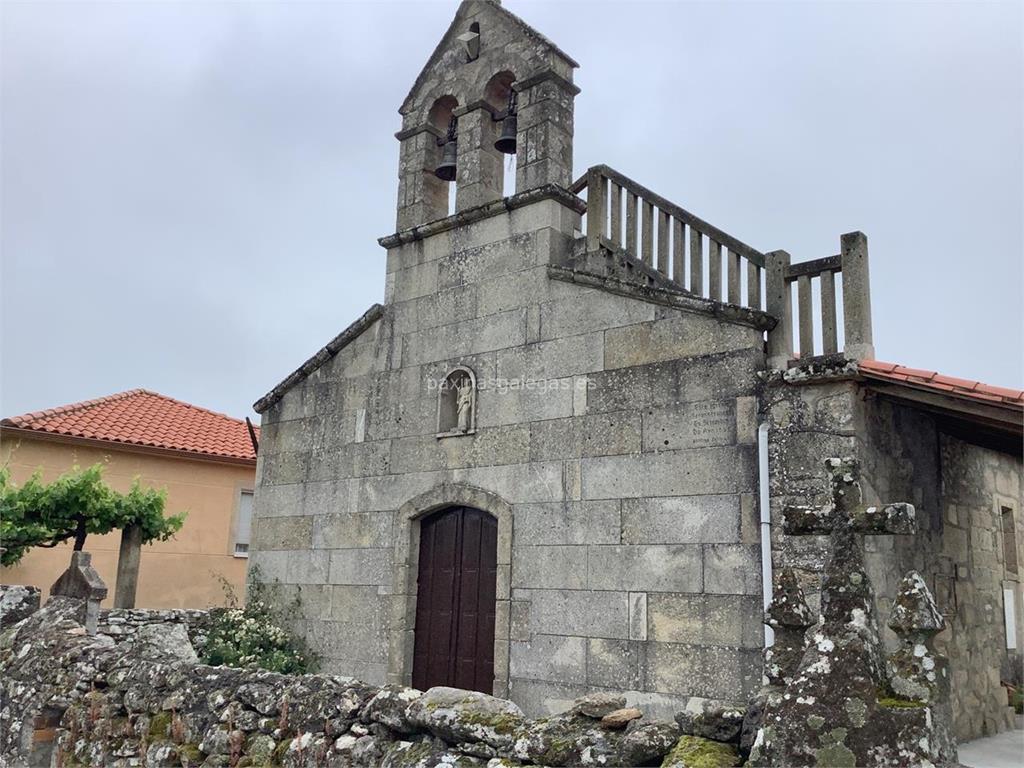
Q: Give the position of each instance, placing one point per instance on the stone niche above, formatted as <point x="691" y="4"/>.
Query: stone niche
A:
<point x="456" y="403"/>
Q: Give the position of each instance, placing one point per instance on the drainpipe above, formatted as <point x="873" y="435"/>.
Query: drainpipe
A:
<point x="766" y="526"/>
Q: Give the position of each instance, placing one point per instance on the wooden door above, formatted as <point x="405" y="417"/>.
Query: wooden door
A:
<point x="455" y="600"/>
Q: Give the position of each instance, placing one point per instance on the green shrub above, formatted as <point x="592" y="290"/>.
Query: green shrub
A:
<point x="253" y="635"/>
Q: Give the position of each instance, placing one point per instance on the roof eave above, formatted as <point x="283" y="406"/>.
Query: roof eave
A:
<point x="7" y="430"/>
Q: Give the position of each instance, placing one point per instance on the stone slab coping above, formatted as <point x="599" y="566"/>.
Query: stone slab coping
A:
<point x="486" y="211"/>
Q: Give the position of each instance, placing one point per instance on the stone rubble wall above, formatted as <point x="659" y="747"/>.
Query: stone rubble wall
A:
<point x="124" y="623"/>
<point x="74" y="699"/>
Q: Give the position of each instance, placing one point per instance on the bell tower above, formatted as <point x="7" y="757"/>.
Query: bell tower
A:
<point x="493" y="86"/>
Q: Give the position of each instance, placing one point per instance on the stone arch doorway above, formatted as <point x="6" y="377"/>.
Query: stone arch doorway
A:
<point x="405" y="584"/>
<point x="455" y="601"/>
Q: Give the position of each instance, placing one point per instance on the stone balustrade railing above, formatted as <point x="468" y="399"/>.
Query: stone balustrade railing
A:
<point x="700" y="258"/>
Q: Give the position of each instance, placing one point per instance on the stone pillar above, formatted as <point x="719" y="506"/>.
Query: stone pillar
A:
<point x="545" y="128"/>
<point x="779" y="305"/>
<point x="856" y="297"/>
<point x="479" y="176"/>
<point x="81" y="582"/>
<point x="128" y="567"/>
<point x="422" y="197"/>
<point x="917" y="672"/>
<point x="789" y="617"/>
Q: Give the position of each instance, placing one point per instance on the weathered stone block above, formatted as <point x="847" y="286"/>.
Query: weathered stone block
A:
<point x="554" y="359"/>
<point x="733" y="569"/>
<point x="654" y="568"/>
<point x="705" y="620"/>
<point x="567" y="522"/>
<point x="722" y="673"/>
<point x="578" y="310"/>
<point x="550" y="657"/>
<point x="675" y="337"/>
<point x="681" y="520"/>
<point x="702" y="471"/>
<point x="549" y="567"/>
<point x="359" y="566"/>
<point x="305" y="567"/>
<point x="352" y="530"/>
<point x="577" y="613"/>
<point x="283" y="532"/>
<point x="616" y="664"/>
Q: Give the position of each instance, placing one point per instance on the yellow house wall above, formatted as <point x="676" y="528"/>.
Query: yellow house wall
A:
<point x="180" y="573"/>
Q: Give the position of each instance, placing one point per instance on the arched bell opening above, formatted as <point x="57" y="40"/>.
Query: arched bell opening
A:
<point x="442" y="118"/>
<point x="499" y="94"/>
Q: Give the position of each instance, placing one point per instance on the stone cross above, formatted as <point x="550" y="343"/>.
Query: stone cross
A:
<point x="81" y="582"/>
<point x="847" y="599"/>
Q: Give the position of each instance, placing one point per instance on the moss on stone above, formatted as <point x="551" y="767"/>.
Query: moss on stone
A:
<point x="503" y="723"/>
<point x="280" y="751"/>
<point x="190" y="754"/>
<point x="558" y="752"/>
<point x="698" y="752"/>
<point x="160" y="725"/>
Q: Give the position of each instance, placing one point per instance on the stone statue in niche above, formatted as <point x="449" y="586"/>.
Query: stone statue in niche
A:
<point x="464" y="404"/>
<point x="456" y="407"/>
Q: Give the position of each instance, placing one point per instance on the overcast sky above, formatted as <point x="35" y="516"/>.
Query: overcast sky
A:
<point x="192" y="192"/>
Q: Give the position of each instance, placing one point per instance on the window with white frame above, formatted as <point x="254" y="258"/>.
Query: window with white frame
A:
<point x="243" y="524"/>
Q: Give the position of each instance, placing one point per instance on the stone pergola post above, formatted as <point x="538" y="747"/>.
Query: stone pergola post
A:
<point x="545" y="128"/>
<point x="128" y="567"/>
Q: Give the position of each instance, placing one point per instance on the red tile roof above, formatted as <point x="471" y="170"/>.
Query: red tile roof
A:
<point x="144" y="418"/>
<point x="930" y="380"/>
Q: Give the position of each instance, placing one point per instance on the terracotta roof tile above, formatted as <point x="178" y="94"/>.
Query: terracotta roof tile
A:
<point x="141" y="417"/>
<point x="967" y="388"/>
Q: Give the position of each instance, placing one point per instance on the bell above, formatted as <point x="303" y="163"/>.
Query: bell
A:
<point x="446" y="170"/>
<point x="506" y="143"/>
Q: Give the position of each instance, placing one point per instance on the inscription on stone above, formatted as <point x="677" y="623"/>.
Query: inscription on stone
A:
<point x="691" y="425"/>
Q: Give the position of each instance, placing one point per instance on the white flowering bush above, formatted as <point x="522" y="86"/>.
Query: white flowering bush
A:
<point x="252" y="636"/>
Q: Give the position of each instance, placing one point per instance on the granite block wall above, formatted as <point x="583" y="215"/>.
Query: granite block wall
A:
<point x="617" y="437"/>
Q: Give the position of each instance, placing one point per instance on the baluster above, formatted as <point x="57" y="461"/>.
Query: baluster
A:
<point x="732" y="269"/>
<point x="803" y="292"/>
<point x="663" y="242"/>
<point x="829" y="340"/>
<point x="678" y="252"/>
<point x="596" y="209"/>
<point x="616" y="235"/>
<point x="696" y="263"/>
<point x="714" y="270"/>
<point x="647" y="234"/>
<point x="753" y="285"/>
<point x="631" y="244"/>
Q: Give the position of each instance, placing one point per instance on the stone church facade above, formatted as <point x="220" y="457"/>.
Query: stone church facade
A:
<point x="547" y="463"/>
